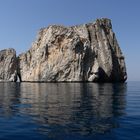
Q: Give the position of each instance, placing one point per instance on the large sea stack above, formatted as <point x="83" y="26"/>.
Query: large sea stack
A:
<point x="88" y="52"/>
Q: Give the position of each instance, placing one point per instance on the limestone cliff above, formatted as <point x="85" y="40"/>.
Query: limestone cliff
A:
<point x="8" y="65"/>
<point x="88" y="52"/>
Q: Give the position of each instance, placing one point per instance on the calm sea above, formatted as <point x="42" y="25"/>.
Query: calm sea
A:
<point x="69" y="111"/>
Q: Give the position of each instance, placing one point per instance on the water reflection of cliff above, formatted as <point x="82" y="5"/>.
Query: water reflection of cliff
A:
<point x="9" y="99"/>
<point x="83" y="108"/>
<point x="65" y="108"/>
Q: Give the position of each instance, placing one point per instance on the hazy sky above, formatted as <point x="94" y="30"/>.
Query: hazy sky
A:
<point x="20" y="21"/>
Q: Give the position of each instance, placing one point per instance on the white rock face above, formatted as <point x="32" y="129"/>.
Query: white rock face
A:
<point x="8" y="65"/>
<point x="88" y="52"/>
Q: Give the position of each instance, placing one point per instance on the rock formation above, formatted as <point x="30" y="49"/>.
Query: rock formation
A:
<point x="88" y="52"/>
<point x="8" y="65"/>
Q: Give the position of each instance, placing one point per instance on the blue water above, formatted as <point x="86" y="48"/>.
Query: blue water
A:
<point x="69" y="111"/>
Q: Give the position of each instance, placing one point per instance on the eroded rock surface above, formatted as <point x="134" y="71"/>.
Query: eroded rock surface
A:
<point x="8" y="65"/>
<point x="88" y="52"/>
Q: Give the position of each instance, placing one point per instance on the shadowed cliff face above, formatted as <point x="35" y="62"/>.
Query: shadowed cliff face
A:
<point x="88" y="52"/>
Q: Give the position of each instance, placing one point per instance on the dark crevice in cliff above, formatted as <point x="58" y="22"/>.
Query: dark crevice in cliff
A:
<point x="89" y="34"/>
<point x="18" y="78"/>
<point x="18" y="70"/>
<point x="103" y="76"/>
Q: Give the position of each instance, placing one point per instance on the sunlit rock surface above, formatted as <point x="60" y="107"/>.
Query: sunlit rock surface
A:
<point x="8" y="65"/>
<point x="88" y="52"/>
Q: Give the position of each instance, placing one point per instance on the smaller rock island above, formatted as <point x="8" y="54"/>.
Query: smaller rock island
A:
<point x="82" y="53"/>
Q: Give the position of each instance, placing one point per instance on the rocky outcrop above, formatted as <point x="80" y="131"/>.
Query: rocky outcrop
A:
<point x="88" y="52"/>
<point x="8" y="65"/>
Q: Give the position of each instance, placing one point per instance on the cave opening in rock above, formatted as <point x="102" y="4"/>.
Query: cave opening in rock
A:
<point x="19" y="78"/>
